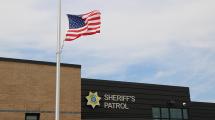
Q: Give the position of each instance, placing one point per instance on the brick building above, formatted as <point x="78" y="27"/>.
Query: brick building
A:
<point x="28" y="88"/>
<point x="27" y="92"/>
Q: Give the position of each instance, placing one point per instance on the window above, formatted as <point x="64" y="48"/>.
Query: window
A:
<point x="32" y="116"/>
<point x="164" y="113"/>
<point x="169" y="114"/>
<point x="175" y="113"/>
<point x="185" y="114"/>
<point x="156" y="112"/>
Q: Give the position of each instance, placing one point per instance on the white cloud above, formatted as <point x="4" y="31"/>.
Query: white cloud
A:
<point x="23" y="26"/>
<point x="177" y="34"/>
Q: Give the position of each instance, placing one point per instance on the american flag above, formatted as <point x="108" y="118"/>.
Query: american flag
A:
<point x="82" y="25"/>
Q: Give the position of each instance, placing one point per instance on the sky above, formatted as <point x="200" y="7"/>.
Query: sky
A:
<point x="168" y="42"/>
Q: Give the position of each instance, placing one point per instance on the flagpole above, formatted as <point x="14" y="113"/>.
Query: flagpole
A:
<point x="58" y="59"/>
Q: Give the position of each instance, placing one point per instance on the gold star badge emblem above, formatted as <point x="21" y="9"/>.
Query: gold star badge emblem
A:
<point x="93" y="99"/>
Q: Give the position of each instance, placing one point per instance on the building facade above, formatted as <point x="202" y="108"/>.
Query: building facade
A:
<point x="124" y="100"/>
<point x="27" y="92"/>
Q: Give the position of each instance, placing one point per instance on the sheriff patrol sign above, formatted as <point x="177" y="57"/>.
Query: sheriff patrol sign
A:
<point x="110" y="101"/>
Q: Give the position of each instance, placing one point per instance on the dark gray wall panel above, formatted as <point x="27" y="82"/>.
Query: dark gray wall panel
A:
<point x="146" y="95"/>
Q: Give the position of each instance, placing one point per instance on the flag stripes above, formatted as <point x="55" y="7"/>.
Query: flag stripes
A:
<point x="92" y="22"/>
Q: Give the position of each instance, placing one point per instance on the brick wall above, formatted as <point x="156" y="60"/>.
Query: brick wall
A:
<point x="29" y="87"/>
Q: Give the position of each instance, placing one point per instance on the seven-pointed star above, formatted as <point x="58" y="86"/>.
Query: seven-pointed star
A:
<point x="93" y="99"/>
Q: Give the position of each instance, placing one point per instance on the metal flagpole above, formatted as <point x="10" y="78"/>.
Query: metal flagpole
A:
<point x="58" y="58"/>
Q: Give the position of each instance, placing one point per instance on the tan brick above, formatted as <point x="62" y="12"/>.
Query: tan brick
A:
<point x="31" y="87"/>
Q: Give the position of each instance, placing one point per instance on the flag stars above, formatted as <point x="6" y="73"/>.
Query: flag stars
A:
<point x="80" y="26"/>
<point x="75" y="21"/>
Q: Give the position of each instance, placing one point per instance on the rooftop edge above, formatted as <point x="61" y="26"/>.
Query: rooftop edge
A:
<point x="127" y="82"/>
<point x="38" y="62"/>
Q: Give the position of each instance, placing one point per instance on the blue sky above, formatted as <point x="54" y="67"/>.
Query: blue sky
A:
<point x="169" y="42"/>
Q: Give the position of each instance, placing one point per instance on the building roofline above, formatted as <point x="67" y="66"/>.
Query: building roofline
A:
<point x="38" y="62"/>
<point x="199" y="102"/>
<point x="126" y="82"/>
